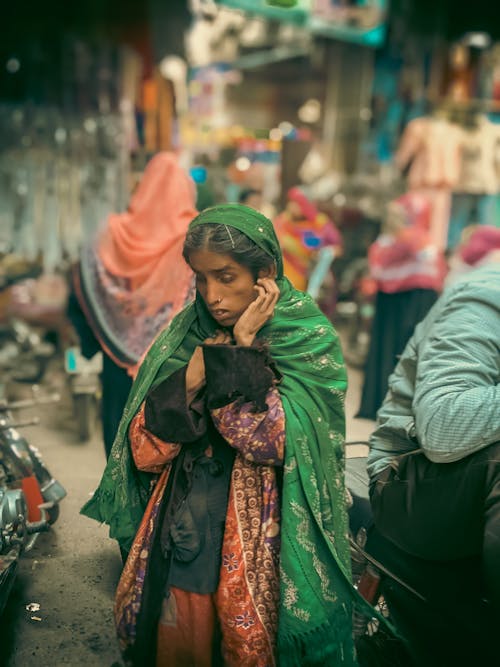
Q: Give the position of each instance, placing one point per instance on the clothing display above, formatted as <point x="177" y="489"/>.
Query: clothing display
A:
<point x="489" y="80"/>
<point x="457" y="168"/>
<point x="271" y="500"/>
<point x="459" y="78"/>
<point x="479" y="158"/>
<point x="60" y="176"/>
<point x="475" y="195"/>
<point x="430" y="148"/>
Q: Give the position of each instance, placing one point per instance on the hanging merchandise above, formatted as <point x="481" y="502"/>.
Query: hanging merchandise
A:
<point x="361" y="21"/>
<point x="430" y="149"/>
<point x="459" y="76"/>
<point x="489" y="76"/>
<point x="131" y="74"/>
<point x="246" y="33"/>
<point x="175" y="69"/>
<point x="452" y="157"/>
<point x="294" y="11"/>
<point x="60" y="175"/>
<point x="206" y="127"/>
<point x="65" y="161"/>
<point x="478" y="187"/>
<point x="479" y="164"/>
<point x="158" y="109"/>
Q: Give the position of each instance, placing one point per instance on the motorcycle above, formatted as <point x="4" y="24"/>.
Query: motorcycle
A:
<point x="24" y="355"/>
<point x="437" y="609"/>
<point x="29" y="495"/>
<point x="30" y="315"/>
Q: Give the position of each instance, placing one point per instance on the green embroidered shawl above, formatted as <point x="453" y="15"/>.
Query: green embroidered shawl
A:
<point x="316" y="591"/>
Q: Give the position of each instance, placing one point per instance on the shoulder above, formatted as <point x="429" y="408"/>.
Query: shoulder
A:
<point x="481" y="286"/>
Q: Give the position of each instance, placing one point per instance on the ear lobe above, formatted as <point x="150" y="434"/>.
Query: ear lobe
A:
<point x="269" y="272"/>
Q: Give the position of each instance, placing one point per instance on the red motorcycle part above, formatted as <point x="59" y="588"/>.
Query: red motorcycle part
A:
<point x="33" y="496"/>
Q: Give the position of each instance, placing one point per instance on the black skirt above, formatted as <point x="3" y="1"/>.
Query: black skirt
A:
<point x="396" y="316"/>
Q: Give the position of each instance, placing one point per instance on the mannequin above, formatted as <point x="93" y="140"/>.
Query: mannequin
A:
<point x="430" y="149"/>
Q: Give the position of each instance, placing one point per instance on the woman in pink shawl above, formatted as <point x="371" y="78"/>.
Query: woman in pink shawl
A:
<point x="132" y="280"/>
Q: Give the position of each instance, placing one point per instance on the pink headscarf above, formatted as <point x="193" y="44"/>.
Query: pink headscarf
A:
<point x="481" y="242"/>
<point x="143" y="246"/>
<point x="308" y="209"/>
<point x="133" y="280"/>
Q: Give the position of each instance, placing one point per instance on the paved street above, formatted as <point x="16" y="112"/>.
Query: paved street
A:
<point x="73" y="570"/>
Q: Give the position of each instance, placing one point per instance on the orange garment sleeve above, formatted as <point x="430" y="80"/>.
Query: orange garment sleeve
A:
<point x="151" y="454"/>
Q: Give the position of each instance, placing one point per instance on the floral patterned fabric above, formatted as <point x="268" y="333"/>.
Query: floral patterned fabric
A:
<point x="248" y="595"/>
<point x="247" y="598"/>
<point x="129" y="592"/>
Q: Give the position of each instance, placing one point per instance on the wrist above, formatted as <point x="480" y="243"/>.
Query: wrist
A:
<point x="244" y="340"/>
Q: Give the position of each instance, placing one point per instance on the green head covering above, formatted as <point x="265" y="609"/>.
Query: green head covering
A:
<point x="248" y="221"/>
<point x="315" y="578"/>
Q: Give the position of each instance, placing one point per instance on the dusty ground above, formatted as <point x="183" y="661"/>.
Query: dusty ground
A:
<point x="73" y="570"/>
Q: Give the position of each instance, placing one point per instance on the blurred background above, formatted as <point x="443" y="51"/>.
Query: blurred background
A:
<point x="385" y="114"/>
<point x="255" y="95"/>
<point x="357" y="102"/>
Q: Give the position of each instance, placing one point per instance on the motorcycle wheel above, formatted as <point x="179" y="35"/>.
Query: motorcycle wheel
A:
<point x="85" y="411"/>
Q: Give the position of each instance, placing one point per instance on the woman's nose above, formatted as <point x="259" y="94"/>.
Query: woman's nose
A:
<point x="212" y="295"/>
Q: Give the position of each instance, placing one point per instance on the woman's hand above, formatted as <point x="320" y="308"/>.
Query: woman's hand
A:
<point x="195" y="373"/>
<point x="258" y="312"/>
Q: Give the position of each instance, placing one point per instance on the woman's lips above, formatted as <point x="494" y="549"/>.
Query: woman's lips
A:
<point x="219" y="313"/>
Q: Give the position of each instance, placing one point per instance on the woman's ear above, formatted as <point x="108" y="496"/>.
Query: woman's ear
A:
<point x="269" y="271"/>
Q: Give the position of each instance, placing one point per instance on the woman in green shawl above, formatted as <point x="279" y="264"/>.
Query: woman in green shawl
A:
<point x="225" y="481"/>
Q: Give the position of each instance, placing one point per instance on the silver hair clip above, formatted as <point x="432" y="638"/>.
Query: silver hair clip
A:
<point x="229" y="234"/>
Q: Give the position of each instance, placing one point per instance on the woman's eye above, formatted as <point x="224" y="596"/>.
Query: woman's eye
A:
<point x="226" y="278"/>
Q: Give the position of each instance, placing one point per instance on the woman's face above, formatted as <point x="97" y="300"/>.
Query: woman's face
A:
<point x="226" y="287"/>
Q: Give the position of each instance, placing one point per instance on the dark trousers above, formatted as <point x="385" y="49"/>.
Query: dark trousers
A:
<point x="444" y="511"/>
<point x="116" y="384"/>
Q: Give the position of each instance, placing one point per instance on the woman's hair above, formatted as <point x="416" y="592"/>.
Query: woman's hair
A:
<point x="225" y="240"/>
